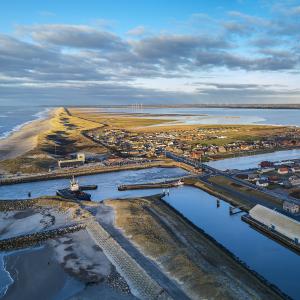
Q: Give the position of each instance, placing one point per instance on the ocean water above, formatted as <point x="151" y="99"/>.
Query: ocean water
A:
<point x="13" y="118"/>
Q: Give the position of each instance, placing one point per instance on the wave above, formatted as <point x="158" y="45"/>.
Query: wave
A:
<point x="6" y="279"/>
<point x="37" y="116"/>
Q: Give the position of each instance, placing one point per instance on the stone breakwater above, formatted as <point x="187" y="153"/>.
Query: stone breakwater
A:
<point x="10" y="205"/>
<point x="141" y="284"/>
<point x="37" y="238"/>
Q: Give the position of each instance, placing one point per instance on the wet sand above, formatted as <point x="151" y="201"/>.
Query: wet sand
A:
<point x="71" y="267"/>
<point x="36" y="274"/>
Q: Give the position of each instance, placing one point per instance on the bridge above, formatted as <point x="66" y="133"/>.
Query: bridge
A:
<point x="216" y="172"/>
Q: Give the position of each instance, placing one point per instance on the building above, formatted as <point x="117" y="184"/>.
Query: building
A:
<point x="296" y="169"/>
<point x="265" y="170"/>
<point x="266" y="164"/>
<point x="274" y="179"/>
<point x="283" y="170"/>
<point x="294" y="180"/>
<point x="276" y="221"/>
<point x="291" y="207"/>
<point x="253" y="177"/>
<point x="262" y="183"/>
<point x="78" y="161"/>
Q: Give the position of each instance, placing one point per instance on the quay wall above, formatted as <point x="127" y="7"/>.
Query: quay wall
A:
<point x="276" y="236"/>
<point x="239" y="262"/>
<point x="82" y="172"/>
<point x="206" y="188"/>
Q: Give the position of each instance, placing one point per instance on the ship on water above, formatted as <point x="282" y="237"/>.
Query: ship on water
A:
<point x="75" y="192"/>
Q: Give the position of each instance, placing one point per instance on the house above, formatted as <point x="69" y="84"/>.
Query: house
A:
<point x="296" y="169"/>
<point x="265" y="170"/>
<point x="262" y="183"/>
<point x="283" y="170"/>
<point x="294" y="180"/>
<point x="266" y="164"/>
<point x="273" y="179"/>
<point x="291" y="207"/>
<point x="253" y="177"/>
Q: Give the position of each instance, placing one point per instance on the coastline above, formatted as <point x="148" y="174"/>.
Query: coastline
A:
<point x="41" y="115"/>
<point x="23" y="138"/>
<point x="49" y="276"/>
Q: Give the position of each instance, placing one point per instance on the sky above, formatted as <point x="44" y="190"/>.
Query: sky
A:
<point x="94" y="52"/>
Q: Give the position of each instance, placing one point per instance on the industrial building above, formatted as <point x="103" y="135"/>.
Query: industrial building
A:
<point x="80" y="160"/>
<point x="275" y="221"/>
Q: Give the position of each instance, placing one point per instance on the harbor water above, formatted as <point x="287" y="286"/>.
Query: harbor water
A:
<point x="277" y="264"/>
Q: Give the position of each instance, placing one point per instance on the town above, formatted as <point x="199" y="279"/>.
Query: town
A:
<point x="200" y="143"/>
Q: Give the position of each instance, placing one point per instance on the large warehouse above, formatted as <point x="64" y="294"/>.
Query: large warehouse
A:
<point x="276" y="221"/>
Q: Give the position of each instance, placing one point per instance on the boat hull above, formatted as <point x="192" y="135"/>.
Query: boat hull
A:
<point x="68" y="194"/>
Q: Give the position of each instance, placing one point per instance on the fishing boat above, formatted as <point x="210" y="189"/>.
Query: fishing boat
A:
<point x="74" y="192"/>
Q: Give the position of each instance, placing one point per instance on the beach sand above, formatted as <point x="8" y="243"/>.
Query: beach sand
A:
<point x="24" y="139"/>
<point x="70" y="267"/>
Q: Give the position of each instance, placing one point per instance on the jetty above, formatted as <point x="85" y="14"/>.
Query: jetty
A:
<point x="152" y="185"/>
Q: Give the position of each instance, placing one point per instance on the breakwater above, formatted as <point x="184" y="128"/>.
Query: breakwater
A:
<point x="142" y="285"/>
<point x="9" y="205"/>
<point x="152" y="185"/>
<point x="27" y="240"/>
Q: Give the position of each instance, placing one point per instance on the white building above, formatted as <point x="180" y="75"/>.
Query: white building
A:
<point x="276" y="221"/>
<point x="80" y="160"/>
<point x="294" y="180"/>
<point x="291" y="207"/>
<point x="262" y="183"/>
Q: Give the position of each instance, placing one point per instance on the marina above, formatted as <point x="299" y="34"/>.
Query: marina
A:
<point x="209" y="213"/>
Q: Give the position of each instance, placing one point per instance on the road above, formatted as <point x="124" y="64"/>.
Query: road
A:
<point x="216" y="172"/>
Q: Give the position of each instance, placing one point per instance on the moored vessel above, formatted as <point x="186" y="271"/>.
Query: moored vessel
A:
<point x="73" y="192"/>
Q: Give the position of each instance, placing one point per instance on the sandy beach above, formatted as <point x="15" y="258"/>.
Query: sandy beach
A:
<point x="24" y="139"/>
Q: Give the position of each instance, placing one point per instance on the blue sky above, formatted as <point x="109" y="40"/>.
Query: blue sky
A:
<point x="119" y="52"/>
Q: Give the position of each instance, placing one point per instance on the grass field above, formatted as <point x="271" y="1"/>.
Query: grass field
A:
<point x="223" y="181"/>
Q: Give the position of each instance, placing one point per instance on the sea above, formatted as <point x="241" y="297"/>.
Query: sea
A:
<point x="12" y="118"/>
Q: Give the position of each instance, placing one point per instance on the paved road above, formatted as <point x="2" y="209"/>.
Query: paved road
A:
<point x="214" y="171"/>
